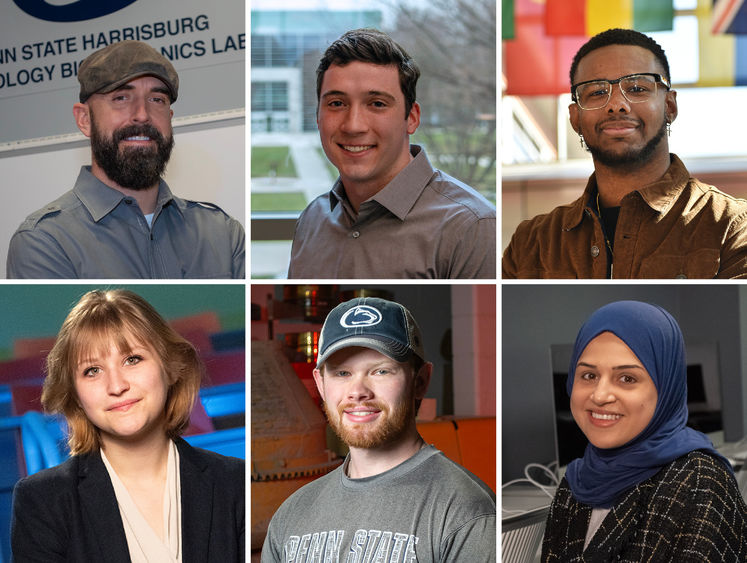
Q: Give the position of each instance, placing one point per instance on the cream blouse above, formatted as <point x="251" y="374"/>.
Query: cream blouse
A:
<point x="595" y="520"/>
<point x="143" y="543"/>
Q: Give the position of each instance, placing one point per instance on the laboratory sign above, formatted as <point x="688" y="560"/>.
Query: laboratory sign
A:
<point x="43" y="42"/>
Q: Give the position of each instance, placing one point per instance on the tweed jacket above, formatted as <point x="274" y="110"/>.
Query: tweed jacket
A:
<point x="691" y="511"/>
<point x="70" y="512"/>
<point x="676" y="227"/>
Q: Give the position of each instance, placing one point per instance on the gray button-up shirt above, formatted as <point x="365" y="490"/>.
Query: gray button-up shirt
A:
<point x="95" y="232"/>
<point x="423" y="224"/>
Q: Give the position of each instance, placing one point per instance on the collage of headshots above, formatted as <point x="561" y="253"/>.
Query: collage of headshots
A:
<point x="408" y="353"/>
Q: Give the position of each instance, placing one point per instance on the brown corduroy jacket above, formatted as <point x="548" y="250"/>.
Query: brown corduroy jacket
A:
<point x="676" y="227"/>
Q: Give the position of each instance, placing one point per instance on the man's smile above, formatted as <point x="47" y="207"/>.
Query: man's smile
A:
<point x="619" y="127"/>
<point x="362" y="414"/>
<point x="356" y="148"/>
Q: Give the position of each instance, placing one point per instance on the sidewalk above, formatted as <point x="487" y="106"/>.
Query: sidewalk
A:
<point x="270" y="258"/>
<point x="313" y="177"/>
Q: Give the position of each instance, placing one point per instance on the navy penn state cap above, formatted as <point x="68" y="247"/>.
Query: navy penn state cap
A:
<point x="371" y="322"/>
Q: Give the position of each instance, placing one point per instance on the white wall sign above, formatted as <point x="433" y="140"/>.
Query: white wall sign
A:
<point x="43" y="42"/>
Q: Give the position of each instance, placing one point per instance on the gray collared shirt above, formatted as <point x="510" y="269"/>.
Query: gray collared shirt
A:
<point x="95" y="232"/>
<point x="423" y="224"/>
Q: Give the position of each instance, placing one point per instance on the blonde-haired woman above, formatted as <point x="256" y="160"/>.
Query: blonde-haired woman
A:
<point x="132" y="489"/>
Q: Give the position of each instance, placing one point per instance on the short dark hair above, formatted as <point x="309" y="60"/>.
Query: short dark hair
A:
<point x="619" y="36"/>
<point x="371" y="46"/>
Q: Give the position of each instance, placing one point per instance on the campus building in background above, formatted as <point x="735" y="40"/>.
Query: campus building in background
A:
<point x="286" y="47"/>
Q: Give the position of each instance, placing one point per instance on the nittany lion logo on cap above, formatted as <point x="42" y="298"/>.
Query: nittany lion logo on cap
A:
<point x="361" y="315"/>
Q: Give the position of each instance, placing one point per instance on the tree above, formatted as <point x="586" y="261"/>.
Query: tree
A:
<point x="454" y="44"/>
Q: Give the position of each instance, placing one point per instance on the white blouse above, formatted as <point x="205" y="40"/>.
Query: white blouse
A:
<point x="143" y="543"/>
<point x="597" y="517"/>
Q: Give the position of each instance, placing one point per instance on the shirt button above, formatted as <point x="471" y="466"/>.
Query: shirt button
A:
<point x="594" y="251"/>
<point x="356" y="234"/>
<point x="128" y="201"/>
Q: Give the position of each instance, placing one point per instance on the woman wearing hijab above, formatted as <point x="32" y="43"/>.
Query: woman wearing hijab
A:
<point x="133" y="490"/>
<point x="647" y="488"/>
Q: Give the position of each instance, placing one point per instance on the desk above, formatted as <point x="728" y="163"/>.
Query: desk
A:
<point x="736" y="453"/>
<point x="525" y="510"/>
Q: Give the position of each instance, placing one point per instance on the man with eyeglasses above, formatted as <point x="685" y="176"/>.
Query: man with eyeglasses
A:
<point x="641" y="215"/>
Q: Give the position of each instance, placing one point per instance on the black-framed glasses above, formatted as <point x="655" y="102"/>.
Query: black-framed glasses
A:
<point x="636" y="88"/>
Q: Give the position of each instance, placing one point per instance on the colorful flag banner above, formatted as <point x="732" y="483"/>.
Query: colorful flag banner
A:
<point x="565" y="18"/>
<point x="606" y="14"/>
<point x="729" y="16"/>
<point x="589" y="17"/>
<point x="507" y="19"/>
<point x="653" y="15"/>
<point x="535" y="64"/>
<point x="722" y="57"/>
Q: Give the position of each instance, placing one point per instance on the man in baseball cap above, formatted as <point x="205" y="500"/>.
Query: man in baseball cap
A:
<point x="381" y="325"/>
<point x="395" y="498"/>
<point x="121" y="220"/>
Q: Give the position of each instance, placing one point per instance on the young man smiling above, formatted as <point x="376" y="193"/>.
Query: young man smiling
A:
<point x="390" y="214"/>
<point x="121" y="220"/>
<point x="641" y="215"/>
<point x="395" y="498"/>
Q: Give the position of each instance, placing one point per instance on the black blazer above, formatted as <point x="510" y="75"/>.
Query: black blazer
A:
<point x="70" y="512"/>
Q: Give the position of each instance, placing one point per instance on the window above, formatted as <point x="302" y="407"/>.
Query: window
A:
<point x="269" y="96"/>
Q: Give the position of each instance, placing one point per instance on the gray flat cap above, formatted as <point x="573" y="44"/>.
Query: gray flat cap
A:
<point x="109" y="68"/>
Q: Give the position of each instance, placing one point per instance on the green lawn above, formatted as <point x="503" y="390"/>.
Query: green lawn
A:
<point x="281" y="201"/>
<point x="272" y="162"/>
<point x="333" y="173"/>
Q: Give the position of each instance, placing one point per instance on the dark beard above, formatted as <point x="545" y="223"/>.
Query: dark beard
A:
<point x="135" y="168"/>
<point x="630" y="157"/>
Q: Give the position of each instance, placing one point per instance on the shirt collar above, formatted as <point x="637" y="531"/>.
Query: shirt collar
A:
<point x="578" y="208"/>
<point x="399" y="195"/>
<point x="337" y="194"/>
<point x="100" y="200"/>
<point x="659" y="195"/>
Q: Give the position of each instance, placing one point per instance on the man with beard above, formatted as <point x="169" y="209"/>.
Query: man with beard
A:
<point x="394" y="498"/>
<point x="121" y="220"/>
<point x="641" y="215"/>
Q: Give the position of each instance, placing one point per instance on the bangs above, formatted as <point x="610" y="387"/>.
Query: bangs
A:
<point x="95" y="339"/>
<point x="121" y="319"/>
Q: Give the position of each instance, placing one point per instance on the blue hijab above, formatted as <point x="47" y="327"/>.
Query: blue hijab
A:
<point x="600" y="477"/>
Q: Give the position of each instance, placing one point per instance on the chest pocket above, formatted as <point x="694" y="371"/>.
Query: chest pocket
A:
<point x="536" y="273"/>
<point x="697" y="264"/>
